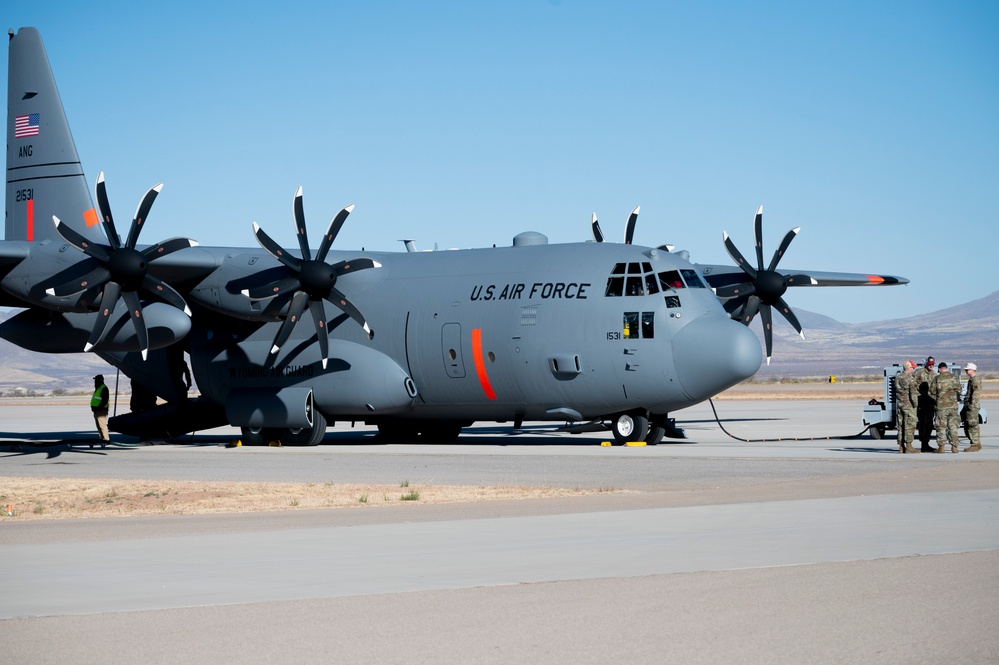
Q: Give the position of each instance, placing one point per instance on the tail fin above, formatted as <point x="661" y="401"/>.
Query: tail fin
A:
<point x="44" y="175"/>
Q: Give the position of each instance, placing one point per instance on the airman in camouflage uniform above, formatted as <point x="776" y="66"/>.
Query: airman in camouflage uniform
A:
<point x="972" y="404"/>
<point x="906" y="400"/>
<point x="946" y="390"/>
<point x="924" y="377"/>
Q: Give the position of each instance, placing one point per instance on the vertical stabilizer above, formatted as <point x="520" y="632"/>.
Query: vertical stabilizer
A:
<point x="44" y="175"/>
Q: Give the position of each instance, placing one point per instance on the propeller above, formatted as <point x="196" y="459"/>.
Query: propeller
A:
<point x="764" y="287"/>
<point x="311" y="280"/>
<point x="629" y="229"/>
<point x="122" y="270"/>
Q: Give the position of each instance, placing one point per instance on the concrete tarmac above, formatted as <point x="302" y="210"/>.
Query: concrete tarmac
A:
<point x="818" y="549"/>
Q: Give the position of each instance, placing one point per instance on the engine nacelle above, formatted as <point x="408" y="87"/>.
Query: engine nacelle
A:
<point x="271" y="407"/>
<point x="67" y="332"/>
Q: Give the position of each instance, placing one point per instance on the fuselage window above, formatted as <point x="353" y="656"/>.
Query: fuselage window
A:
<point x="648" y="325"/>
<point x="670" y="280"/>
<point x="639" y="324"/>
<point x="693" y="281"/>
<point x="615" y="286"/>
<point x="630" y="325"/>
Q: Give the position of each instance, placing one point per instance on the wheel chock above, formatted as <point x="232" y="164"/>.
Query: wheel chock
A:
<point x="235" y="443"/>
<point x="635" y="443"/>
<point x="606" y="443"/>
<point x="274" y="444"/>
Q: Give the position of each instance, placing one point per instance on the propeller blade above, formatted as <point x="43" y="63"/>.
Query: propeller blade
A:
<point x="69" y="234"/>
<point x="749" y="311"/>
<point x="275" y="249"/>
<point x="801" y="280"/>
<point x="91" y="280"/>
<point x="737" y="256"/>
<point x="786" y="312"/>
<point x="141" y="212"/>
<point x="167" y="247"/>
<point x="779" y="254"/>
<point x="109" y="298"/>
<point x="629" y="230"/>
<point x="107" y="221"/>
<point x="766" y="316"/>
<point x="731" y="291"/>
<point x="758" y="228"/>
<point x="345" y="267"/>
<point x="165" y="292"/>
<point x="340" y="300"/>
<point x="303" y="235"/>
<point x="598" y="235"/>
<point x="732" y="305"/>
<point x="332" y="231"/>
<point x="274" y="289"/>
<point x="295" y="310"/>
<point x="322" y="333"/>
<point x="131" y="299"/>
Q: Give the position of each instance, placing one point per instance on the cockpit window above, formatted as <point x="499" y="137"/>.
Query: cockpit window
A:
<point x="670" y="280"/>
<point x="693" y="281"/>
<point x="615" y="286"/>
<point x="651" y="284"/>
<point x="634" y="268"/>
<point x="635" y="287"/>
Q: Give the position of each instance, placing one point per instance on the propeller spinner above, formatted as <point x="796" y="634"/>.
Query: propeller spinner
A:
<point x="311" y="281"/>
<point x="122" y="270"/>
<point x="763" y="288"/>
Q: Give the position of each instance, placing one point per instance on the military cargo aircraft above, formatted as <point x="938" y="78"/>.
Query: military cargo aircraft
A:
<point x="419" y="344"/>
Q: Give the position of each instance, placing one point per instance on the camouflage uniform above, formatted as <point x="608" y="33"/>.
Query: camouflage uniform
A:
<point x="946" y="390"/>
<point x="972" y="404"/>
<point x="923" y="378"/>
<point x="906" y="399"/>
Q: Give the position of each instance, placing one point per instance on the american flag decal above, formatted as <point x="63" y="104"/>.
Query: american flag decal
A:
<point x="26" y="125"/>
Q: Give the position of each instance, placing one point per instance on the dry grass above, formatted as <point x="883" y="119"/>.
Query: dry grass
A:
<point x="61" y="498"/>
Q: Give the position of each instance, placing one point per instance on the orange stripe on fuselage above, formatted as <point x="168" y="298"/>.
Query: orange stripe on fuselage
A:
<point x="480" y="365"/>
<point x="31" y="220"/>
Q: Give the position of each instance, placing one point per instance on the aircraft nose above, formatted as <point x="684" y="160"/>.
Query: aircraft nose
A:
<point x="713" y="353"/>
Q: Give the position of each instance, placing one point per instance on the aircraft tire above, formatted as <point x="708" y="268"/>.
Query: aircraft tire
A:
<point x="443" y="431"/>
<point x="257" y="436"/>
<point x="397" y="432"/>
<point x="630" y="427"/>
<point x="655" y="435"/>
<point x="306" y="437"/>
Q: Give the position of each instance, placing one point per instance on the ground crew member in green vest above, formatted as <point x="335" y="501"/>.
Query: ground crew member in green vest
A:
<point x="946" y="390"/>
<point x="906" y="400"/>
<point x="972" y="405"/>
<point x="99" y="405"/>
<point x="924" y="412"/>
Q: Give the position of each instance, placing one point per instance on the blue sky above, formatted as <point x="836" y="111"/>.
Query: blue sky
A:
<point x="872" y="126"/>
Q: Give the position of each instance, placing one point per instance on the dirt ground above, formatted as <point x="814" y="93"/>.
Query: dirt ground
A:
<point x="61" y="498"/>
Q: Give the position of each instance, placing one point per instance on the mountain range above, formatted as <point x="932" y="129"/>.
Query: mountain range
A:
<point x="959" y="334"/>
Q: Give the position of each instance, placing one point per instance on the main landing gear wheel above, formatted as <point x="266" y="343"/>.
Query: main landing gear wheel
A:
<point x="306" y="437"/>
<point x="630" y="427"/>
<point x="655" y="435"/>
<point x="257" y="436"/>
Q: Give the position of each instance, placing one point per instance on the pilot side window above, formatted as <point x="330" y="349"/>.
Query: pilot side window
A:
<point x="615" y="286"/>
<point x="670" y="280"/>
<point x="693" y="281"/>
<point x="651" y="284"/>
